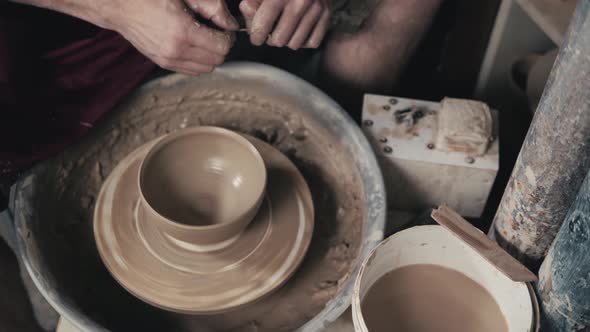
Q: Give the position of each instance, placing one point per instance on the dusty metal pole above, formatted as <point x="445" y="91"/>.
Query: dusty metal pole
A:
<point x="564" y="280"/>
<point x="555" y="156"/>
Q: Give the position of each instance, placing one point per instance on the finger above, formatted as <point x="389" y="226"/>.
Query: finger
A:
<point x="200" y="55"/>
<point x="248" y="8"/>
<point x="216" y="11"/>
<point x="308" y="22"/>
<point x="290" y="18"/>
<point x="214" y="41"/>
<point x="190" y="70"/>
<point x="185" y="67"/>
<point x="264" y="20"/>
<point x="316" y="37"/>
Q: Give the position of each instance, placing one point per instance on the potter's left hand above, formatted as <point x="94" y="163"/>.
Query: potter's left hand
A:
<point x="291" y="23"/>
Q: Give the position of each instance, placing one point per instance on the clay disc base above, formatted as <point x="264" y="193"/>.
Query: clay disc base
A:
<point x="183" y="277"/>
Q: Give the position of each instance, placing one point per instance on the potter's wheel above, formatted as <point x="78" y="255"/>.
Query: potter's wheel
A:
<point x="53" y="204"/>
<point x="183" y="277"/>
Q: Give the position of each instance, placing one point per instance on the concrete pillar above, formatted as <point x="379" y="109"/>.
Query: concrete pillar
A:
<point x="564" y="277"/>
<point x="555" y="156"/>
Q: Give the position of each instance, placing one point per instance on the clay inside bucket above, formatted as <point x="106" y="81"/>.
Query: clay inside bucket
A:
<point x="428" y="297"/>
<point x="66" y="187"/>
<point x="479" y="296"/>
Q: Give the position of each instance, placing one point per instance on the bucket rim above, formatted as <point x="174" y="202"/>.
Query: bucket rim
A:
<point x="356" y="300"/>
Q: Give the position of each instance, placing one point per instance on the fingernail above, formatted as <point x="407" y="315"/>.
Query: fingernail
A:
<point x="277" y="42"/>
<point x="256" y="37"/>
<point x="256" y="41"/>
<point x="247" y="9"/>
<point x="233" y="23"/>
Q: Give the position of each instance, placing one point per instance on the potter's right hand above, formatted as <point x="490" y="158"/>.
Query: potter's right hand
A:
<point x="166" y="32"/>
<point x="163" y="30"/>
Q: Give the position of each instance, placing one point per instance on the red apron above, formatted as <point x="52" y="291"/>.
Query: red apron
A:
<point x="58" y="77"/>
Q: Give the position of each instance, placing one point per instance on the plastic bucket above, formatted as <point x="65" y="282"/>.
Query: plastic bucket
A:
<point x="438" y="246"/>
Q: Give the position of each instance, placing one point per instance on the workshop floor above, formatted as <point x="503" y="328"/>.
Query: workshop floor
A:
<point x="15" y="310"/>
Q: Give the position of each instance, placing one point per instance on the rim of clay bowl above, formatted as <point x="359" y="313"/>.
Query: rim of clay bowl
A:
<point x="191" y="131"/>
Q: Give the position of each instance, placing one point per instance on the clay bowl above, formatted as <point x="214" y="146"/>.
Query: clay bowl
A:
<point x="202" y="185"/>
<point x="171" y="265"/>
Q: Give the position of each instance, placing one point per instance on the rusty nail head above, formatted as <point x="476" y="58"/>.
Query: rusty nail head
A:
<point x="393" y="101"/>
<point x="387" y="149"/>
<point x="470" y="160"/>
<point x="368" y="123"/>
<point x="386" y="107"/>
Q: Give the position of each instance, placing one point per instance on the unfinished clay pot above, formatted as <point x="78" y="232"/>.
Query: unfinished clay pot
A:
<point x="169" y="265"/>
<point x="202" y="186"/>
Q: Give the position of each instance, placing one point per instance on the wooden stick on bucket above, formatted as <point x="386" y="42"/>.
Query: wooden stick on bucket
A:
<point x="487" y="248"/>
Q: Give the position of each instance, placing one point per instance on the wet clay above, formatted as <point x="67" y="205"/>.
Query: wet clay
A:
<point x="425" y="298"/>
<point x="66" y="189"/>
<point x="204" y="176"/>
<point x="170" y="266"/>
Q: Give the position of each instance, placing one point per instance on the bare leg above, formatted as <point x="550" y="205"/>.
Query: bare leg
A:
<point x="372" y="59"/>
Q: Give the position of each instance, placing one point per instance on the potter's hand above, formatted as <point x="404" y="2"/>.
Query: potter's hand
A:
<point x="163" y="30"/>
<point x="292" y="23"/>
<point x="166" y="32"/>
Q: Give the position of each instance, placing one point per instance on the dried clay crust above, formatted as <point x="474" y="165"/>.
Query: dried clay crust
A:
<point x="68" y="185"/>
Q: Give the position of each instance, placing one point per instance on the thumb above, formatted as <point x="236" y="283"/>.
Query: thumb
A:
<point x="216" y="11"/>
<point x="248" y="9"/>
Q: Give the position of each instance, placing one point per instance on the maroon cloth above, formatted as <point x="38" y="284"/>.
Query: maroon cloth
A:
<point x="58" y="77"/>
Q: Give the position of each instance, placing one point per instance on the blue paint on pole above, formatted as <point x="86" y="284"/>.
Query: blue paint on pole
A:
<point x="564" y="277"/>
